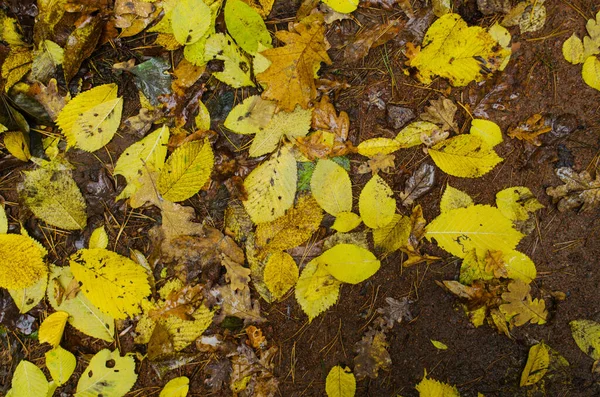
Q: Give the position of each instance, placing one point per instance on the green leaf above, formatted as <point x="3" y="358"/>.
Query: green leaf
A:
<point x="246" y="26"/>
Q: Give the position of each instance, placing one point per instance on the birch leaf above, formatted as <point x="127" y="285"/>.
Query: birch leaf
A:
<point x="464" y="156"/>
<point x="99" y="238"/>
<point x="572" y="50"/>
<point x="51" y="329"/>
<point x="538" y="361"/>
<point x="113" y="283"/>
<point x="250" y="116"/>
<point x="108" y="374"/>
<point x="340" y="382"/>
<point x="29" y="380"/>
<point x="394" y="235"/>
<point x="432" y="388"/>
<point x="374" y="146"/>
<point x="190" y="20"/>
<point x="331" y="187"/>
<point x="176" y="387"/>
<point x="591" y="72"/>
<point x="349" y="263"/>
<point x="271" y="187"/>
<point x="376" y="203"/>
<point x="61" y="364"/>
<point x="186" y="171"/>
<point x="236" y="65"/>
<point x="281" y="274"/>
<point x="17" y="144"/>
<point x="316" y="290"/>
<point x="488" y="131"/>
<point x="453" y="199"/>
<point x="346" y="221"/>
<point x="28" y="298"/>
<point x="587" y="336"/>
<point x="246" y="26"/>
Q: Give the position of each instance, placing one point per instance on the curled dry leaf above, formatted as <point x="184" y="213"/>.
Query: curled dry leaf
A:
<point x="419" y="183"/>
<point x="580" y="190"/>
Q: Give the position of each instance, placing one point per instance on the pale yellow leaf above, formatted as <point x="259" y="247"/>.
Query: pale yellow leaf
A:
<point x="412" y="134"/>
<point x="537" y="365"/>
<point x="331" y="187"/>
<point x="280" y="274"/>
<point x="3" y="221"/>
<point x="28" y="298"/>
<point x="202" y="119"/>
<point x="51" y="329"/>
<point x="190" y="20"/>
<point x="572" y="50"/>
<point x="316" y="290"/>
<point x="250" y="116"/>
<point x="394" y="235"/>
<point x="291" y="124"/>
<point x="343" y="6"/>
<point x="186" y="171"/>
<point x="271" y="187"/>
<point x="340" y="382"/>
<point x="61" y="364"/>
<point x="349" y="263"/>
<point x="465" y="156"/>
<point x="108" y="374"/>
<point x="453" y="199"/>
<point x="346" y="221"/>
<point x="99" y="238"/>
<point x="29" y="381"/>
<point x="21" y="261"/>
<point x="591" y="72"/>
<point x="376" y="203"/>
<point x="176" y="387"/>
<point x="517" y="203"/>
<point x="113" y="283"/>
<point x="374" y="146"/>
<point x="519" y="266"/>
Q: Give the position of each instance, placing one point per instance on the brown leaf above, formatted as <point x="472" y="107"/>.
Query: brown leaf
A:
<point x="322" y="144"/>
<point x="579" y="190"/>
<point x="181" y="303"/>
<point x="520" y="307"/>
<point x="372" y="355"/>
<point x="238" y="304"/>
<point x="80" y="44"/>
<point x="218" y="374"/>
<point x="530" y="130"/>
<point x="48" y="97"/>
<point x="186" y="74"/>
<point x="419" y="183"/>
<point x="324" y="117"/>
<point x="87" y="6"/>
<point x="441" y="112"/>
<point x="477" y="295"/>
<point x="133" y="16"/>
<point x="237" y="275"/>
<point x="160" y="345"/>
<point x="389" y="4"/>
<point x="370" y="38"/>
<point x="379" y="162"/>
<point x="494" y="263"/>
<point x="395" y="311"/>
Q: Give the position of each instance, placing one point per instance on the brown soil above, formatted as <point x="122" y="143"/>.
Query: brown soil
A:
<point x="565" y="246"/>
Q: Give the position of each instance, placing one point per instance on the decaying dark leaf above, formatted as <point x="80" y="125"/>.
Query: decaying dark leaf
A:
<point x="411" y="249"/>
<point x="370" y="38"/>
<point x="419" y="183"/>
<point x="395" y="311"/>
<point x="441" y="111"/>
<point x="181" y="303"/>
<point x="160" y="345"/>
<point x="580" y="191"/>
<point x="530" y="130"/>
<point x="372" y="355"/>
<point x="219" y="372"/>
<point x="80" y="44"/>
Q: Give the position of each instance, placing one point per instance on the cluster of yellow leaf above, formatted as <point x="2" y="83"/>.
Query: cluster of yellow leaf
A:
<point x="577" y="51"/>
<point x="458" y="52"/>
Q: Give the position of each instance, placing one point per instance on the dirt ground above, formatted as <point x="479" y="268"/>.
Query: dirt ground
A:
<point x="564" y="246"/>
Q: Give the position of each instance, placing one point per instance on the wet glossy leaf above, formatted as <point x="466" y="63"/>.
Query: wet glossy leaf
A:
<point x="236" y="66"/>
<point x="465" y="156"/>
<point x="176" y="387"/>
<point x="538" y="362"/>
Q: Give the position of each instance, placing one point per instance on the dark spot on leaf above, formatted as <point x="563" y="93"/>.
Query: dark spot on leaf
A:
<point x="110" y="363"/>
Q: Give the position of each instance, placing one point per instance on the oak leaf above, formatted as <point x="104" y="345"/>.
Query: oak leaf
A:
<point x="521" y="308"/>
<point x="372" y="355"/>
<point x="580" y="191"/>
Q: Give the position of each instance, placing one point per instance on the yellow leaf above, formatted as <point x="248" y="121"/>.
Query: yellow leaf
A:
<point x="290" y="77"/>
<point x="68" y="118"/>
<point x="147" y="153"/>
<point x="340" y="382"/>
<point x="587" y="336"/>
<point x="572" y="50"/>
<point x="187" y="170"/>
<point x="521" y="307"/>
<point x="28" y="298"/>
<point x="519" y="266"/>
<point x="517" y="202"/>
<point x="21" y="261"/>
<point x="17" y="144"/>
<point x="374" y="146"/>
<point x="271" y="187"/>
<point x="99" y="238"/>
<point x="176" y="387"/>
<point x="3" y="221"/>
<point x="433" y="388"/>
<point x="349" y="263"/>
<point x="591" y="72"/>
<point x="246" y="26"/>
<point x="479" y="227"/>
<point x="250" y="116"/>
<point x="63" y="294"/>
<point x="190" y="20"/>
<point x="292" y="229"/>
<point x="281" y="274"/>
<point x="16" y="65"/>
<point x="439" y="345"/>
<point x="97" y="126"/>
<point x="29" y="380"/>
<point x="346" y="221"/>
<point x="293" y="125"/>
<point x="51" y="330"/>
<point x="113" y="283"/>
<point x="184" y="332"/>
<point x="343" y="6"/>
<point x="453" y="199"/>
<point x="537" y="365"/>
<point x="412" y="134"/>
<point x="465" y="156"/>
<point x="108" y="374"/>
<point x="488" y="131"/>
<point x="376" y="203"/>
<point x="503" y="37"/>
<point x="316" y="290"/>
<point x="54" y="197"/>
<point x="46" y="59"/>
<point x="202" y="119"/>
<point x="394" y="235"/>
<point x="331" y="187"/>
<point x="61" y="364"/>
<point x="453" y="50"/>
<point x="236" y="67"/>
<point x="9" y="32"/>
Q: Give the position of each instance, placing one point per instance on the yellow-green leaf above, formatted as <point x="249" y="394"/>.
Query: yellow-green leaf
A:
<point x="202" y="119"/>
<point x="537" y="365"/>
<point x="488" y="131"/>
<point x="346" y="221"/>
<point x="176" y="387"/>
<point x="21" y="261"/>
<point x="394" y="235"/>
<point x="340" y="382"/>
<point x="113" y="283"/>
<point x="147" y="153"/>
<point x="591" y="72"/>
<point x="83" y="315"/>
<point x="374" y="146"/>
<point x="271" y="187"/>
<point x="433" y="388"/>
<point x="16" y="65"/>
<point x="413" y="134"/>
<point x="454" y="198"/>
<point x="186" y="171"/>
<point x="479" y="227"/>
<point x="29" y="380"/>
<point x="190" y="20"/>
<point x="250" y="116"/>
<point x="349" y="263"/>
<point x="439" y="345"/>
<point x="465" y="156"/>
<point x="291" y="124"/>
<point x="376" y="203"/>
<point x="99" y="238"/>
<point x="54" y="197"/>
<point x="572" y="50"/>
<point x="281" y="273"/>
<point x="51" y="329"/>
<point x="246" y="26"/>
<point x="236" y="65"/>
<point x="316" y="290"/>
<point x="3" y="221"/>
<point x="587" y="336"/>
<point x="331" y="187"/>
<point x="28" y="298"/>
<point x="61" y="364"/>
<point x="519" y="266"/>
<point x="108" y="374"/>
<point x="517" y="202"/>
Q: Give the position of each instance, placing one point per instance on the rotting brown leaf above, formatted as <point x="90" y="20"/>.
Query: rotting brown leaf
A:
<point x="80" y="44"/>
<point x="580" y="191"/>
<point x="370" y="38"/>
<point x="419" y="183"/>
<point x="531" y="129"/>
<point x="372" y="355"/>
<point x="441" y="111"/>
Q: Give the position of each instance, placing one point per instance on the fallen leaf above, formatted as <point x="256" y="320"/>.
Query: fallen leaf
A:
<point x="521" y="308"/>
<point x="317" y="290"/>
<point x="28" y="380"/>
<point x="419" y="183"/>
<point x="16" y="65"/>
<point x="394" y="235"/>
<point x="190" y="20"/>
<point x="376" y="203"/>
<point x="464" y="156"/>
<point x="108" y="374"/>
<point x="531" y="129"/>
<point x="346" y="221"/>
<point x="340" y="382"/>
<point x="370" y="38"/>
<point x="538" y="362"/>
<point x="454" y="198"/>
<point x="246" y="26"/>
<point x="579" y="191"/>
<point x="256" y="338"/>
<point x="431" y="387"/>
<point x="61" y="364"/>
<point x="236" y="66"/>
<point x="371" y="355"/>
<point x="439" y="345"/>
<point x="331" y="187"/>
<point x="80" y="44"/>
<point x="29" y="297"/>
<point x="587" y="336"/>
<point x="395" y="311"/>
<point x="176" y="387"/>
<point x="280" y="274"/>
<point x="134" y="16"/>
<point x="441" y="112"/>
<point x="51" y="329"/>
<point x="349" y="263"/>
